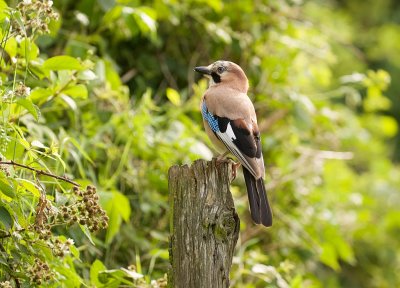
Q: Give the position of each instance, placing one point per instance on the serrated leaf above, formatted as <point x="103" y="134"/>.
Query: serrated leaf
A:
<point x="173" y="96"/>
<point x="62" y="63"/>
<point x="30" y="107"/>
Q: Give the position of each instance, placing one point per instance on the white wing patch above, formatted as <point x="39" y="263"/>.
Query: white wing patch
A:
<point x="230" y="132"/>
<point x="228" y="138"/>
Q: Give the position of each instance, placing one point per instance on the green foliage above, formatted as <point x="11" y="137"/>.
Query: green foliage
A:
<point x="105" y="93"/>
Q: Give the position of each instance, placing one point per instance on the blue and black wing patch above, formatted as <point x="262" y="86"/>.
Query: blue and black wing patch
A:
<point x="237" y="136"/>
<point x="242" y="140"/>
<point x="210" y="118"/>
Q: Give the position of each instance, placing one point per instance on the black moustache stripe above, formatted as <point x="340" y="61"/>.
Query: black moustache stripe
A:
<point x="216" y="77"/>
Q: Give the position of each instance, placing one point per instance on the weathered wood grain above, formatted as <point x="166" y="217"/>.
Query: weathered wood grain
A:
<point x="204" y="226"/>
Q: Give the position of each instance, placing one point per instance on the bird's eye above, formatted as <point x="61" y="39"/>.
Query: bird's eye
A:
<point x="220" y="69"/>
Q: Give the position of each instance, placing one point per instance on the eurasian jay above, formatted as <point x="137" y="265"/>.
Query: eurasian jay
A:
<point x="231" y="123"/>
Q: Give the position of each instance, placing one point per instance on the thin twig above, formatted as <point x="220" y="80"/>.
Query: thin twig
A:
<point x="40" y="172"/>
<point x="267" y="123"/>
<point x="166" y="71"/>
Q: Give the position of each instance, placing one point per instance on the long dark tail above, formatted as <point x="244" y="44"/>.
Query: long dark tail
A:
<point x="259" y="206"/>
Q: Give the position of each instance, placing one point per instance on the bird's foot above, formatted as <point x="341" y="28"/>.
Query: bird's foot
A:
<point x="235" y="166"/>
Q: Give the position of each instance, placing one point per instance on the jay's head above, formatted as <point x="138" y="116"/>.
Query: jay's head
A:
<point x="225" y="74"/>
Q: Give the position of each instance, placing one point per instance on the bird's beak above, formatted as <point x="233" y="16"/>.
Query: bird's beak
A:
<point x="203" y="70"/>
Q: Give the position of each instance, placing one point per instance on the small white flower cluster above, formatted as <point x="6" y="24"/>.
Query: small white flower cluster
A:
<point x="36" y="17"/>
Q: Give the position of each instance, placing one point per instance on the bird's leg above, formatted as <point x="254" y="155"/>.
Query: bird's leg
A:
<point x="235" y="166"/>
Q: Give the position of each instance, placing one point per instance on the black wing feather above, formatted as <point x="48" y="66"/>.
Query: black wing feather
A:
<point x="222" y="123"/>
<point x="246" y="141"/>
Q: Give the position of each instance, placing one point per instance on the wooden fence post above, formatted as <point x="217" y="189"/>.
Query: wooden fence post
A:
<point x="204" y="226"/>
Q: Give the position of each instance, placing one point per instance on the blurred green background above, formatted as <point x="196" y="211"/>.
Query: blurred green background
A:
<point x="323" y="77"/>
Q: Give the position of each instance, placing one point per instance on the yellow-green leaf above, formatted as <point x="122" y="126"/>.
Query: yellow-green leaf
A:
<point x="62" y="63"/>
<point x="173" y="96"/>
<point x="40" y="94"/>
<point x="329" y="256"/>
<point x="29" y="186"/>
<point x="11" y="46"/>
<point x="95" y="270"/>
<point x="6" y="188"/>
<point x="30" y="107"/>
<point x="5" y="218"/>
<point x="77" y="91"/>
<point x="118" y="208"/>
<point x="3" y="5"/>
<point x="28" y="49"/>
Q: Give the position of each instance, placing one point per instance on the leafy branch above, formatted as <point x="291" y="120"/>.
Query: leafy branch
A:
<point x="40" y="172"/>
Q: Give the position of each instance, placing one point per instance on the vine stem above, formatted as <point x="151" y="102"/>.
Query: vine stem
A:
<point x="40" y="172"/>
